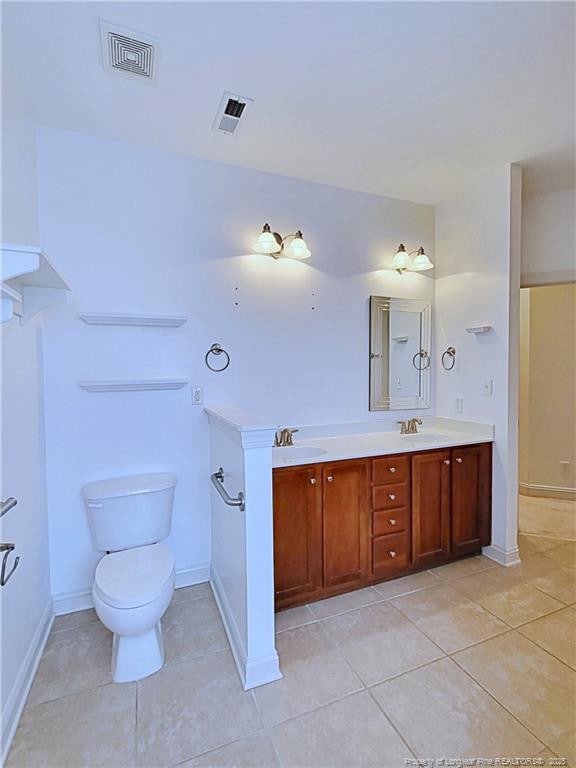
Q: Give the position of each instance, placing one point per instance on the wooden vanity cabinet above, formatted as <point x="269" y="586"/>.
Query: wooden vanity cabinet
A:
<point x="346" y="524"/>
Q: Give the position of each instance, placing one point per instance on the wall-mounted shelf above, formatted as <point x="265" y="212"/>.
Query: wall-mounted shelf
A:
<point x="400" y="339"/>
<point x="29" y="282"/>
<point x="133" y="385"/>
<point x="157" y="321"/>
<point x="479" y="329"/>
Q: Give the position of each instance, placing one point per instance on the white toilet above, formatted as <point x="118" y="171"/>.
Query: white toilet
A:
<point x="134" y="581"/>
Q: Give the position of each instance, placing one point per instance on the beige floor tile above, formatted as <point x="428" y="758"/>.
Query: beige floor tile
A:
<point x="503" y="593"/>
<point x="315" y="673"/>
<point x="462" y="568"/>
<point x="187" y="709"/>
<point x="564" y="554"/>
<point x="195" y="592"/>
<point x="92" y="728"/>
<point x="448" y="617"/>
<point x="555" y="633"/>
<point x="406" y="584"/>
<point x="191" y="629"/>
<point x="347" y="602"/>
<point x="252" y="752"/>
<point x="565" y="747"/>
<point x="380" y="642"/>
<point x="73" y="661"/>
<point x="531" y="544"/>
<point x="537" y="688"/>
<point x="550" y="517"/>
<point x="556" y="580"/>
<point x="441" y="712"/>
<point x="294" y="617"/>
<point x="73" y="620"/>
<point x="351" y="732"/>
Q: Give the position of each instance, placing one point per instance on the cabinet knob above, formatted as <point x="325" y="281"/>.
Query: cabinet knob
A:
<point x="329" y="478"/>
<point x="459" y="460"/>
<point x="391" y="496"/>
<point x="312" y="481"/>
<point x="392" y="521"/>
<point x="392" y="553"/>
<point x="392" y="469"/>
<point x="446" y="461"/>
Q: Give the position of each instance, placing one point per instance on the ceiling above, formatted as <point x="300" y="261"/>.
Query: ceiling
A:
<point x="406" y="99"/>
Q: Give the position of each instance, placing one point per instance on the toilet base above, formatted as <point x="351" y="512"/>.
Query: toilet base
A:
<point x="137" y="656"/>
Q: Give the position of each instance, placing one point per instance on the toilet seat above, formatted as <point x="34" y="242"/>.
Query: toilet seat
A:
<point x="134" y="577"/>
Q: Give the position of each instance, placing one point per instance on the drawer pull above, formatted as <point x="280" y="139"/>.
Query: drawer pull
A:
<point x="312" y="481"/>
<point x="392" y="553"/>
<point x="459" y="460"/>
<point x="392" y="469"/>
<point x="392" y="521"/>
<point x="329" y="478"/>
<point x="446" y="461"/>
<point x="391" y="496"/>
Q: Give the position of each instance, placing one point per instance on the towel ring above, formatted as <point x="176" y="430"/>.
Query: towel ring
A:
<point x="424" y="360"/>
<point x="216" y="349"/>
<point x="451" y="353"/>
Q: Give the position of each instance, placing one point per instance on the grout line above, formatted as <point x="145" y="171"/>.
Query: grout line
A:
<point x="393" y="726"/>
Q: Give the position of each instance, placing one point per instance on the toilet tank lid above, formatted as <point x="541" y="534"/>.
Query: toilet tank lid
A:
<point x="128" y="486"/>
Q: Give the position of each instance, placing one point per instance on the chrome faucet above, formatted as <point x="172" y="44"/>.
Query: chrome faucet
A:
<point x="410" y="427"/>
<point x="284" y="437"/>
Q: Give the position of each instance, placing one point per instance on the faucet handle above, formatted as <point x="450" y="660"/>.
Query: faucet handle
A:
<point x="290" y="433"/>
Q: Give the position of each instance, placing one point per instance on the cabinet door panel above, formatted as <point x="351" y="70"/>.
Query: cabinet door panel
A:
<point x="471" y="494"/>
<point x="297" y="532"/>
<point x="430" y="507"/>
<point x="346" y="525"/>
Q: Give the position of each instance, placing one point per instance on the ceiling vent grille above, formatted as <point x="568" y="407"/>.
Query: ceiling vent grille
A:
<point x="232" y="108"/>
<point x="126" y="52"/>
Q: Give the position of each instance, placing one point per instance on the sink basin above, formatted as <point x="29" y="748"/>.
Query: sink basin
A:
<point x="424" y="437"/>
<point x="297" y="452"/>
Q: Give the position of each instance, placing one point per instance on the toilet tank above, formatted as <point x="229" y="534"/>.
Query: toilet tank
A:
<point x="127" y="512"/>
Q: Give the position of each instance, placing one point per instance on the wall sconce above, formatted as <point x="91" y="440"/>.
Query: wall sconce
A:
<point x="402" y="261"/>
<point x="273" y="244"/>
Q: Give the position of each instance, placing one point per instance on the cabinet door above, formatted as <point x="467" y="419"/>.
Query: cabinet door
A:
<point x="346" y="529"/>
<point x="297" y="533"/>
<point x="430" y="507"/>
<point x="471" y="498"/>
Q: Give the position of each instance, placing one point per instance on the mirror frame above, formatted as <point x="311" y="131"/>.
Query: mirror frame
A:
<point x="378" y="305"/>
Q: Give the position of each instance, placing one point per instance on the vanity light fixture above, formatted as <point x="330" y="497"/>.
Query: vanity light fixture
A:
<point x="402" y="261"/>
<point x="273" y="244"/>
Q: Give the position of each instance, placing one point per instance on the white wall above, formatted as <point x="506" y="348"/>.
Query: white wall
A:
<point x="137" y="230"/>
<point x="19" y="193"/>
<point x="549" y="238"/>
<point x="478" y="265"/>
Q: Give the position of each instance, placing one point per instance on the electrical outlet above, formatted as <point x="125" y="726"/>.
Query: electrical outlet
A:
<point x="487" y="387"/>
<point x="459" y="405"/>
<point x="197" y="395"/>
<point x="564" y="467"/>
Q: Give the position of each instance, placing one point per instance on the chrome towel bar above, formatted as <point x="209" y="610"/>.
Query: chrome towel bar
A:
<point x="217" y="479"/>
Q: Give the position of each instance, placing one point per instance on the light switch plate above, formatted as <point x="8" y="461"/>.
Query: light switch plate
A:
<point x="458" y="405"/>
<point x="197" y="395"/>
<point x="487" y="387"/>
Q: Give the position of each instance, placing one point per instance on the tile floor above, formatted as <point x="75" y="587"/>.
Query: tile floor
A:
<point x="467" y="660"/>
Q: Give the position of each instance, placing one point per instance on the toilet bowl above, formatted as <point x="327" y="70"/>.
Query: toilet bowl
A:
<point x="131" y="592"/>
<point x="134" y="581"/>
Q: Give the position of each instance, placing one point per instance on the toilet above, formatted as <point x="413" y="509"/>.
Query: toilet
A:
<point x="134" y="581"/>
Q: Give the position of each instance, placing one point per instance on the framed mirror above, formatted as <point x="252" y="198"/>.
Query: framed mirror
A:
<point x="400" y="337"/>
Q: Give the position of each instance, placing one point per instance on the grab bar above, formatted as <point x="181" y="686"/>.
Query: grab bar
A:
<point x="217" y="479"/>
<point x="7" y="505"/>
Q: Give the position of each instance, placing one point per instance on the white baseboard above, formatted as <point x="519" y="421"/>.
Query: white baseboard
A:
<point x="502" y="556"/>
<point x="547" y="491"/>
<point x="253" y="672"/>
<point x="16" y="700"/>
<point x="69" y="602"/>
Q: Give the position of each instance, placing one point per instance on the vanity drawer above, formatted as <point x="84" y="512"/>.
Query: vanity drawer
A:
<point x="390" y="496"/>
<point x="390" y="553"/>
<point x="390" y="469"/>
<point x="385" y="522"/>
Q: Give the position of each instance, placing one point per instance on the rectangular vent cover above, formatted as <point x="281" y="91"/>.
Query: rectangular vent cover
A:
<point x="127" y="52"/>
<point x="229" y="113"/>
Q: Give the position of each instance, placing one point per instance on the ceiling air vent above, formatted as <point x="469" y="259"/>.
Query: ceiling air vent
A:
<point x="230" y="112"/>
<point x="129" y="53"/>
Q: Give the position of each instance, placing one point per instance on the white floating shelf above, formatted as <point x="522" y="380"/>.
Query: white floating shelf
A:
<point x="133" y="385"/>
<point x="479" y="329"/>
<point x="29" y="282"/>
<point x="158" y="321"/>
